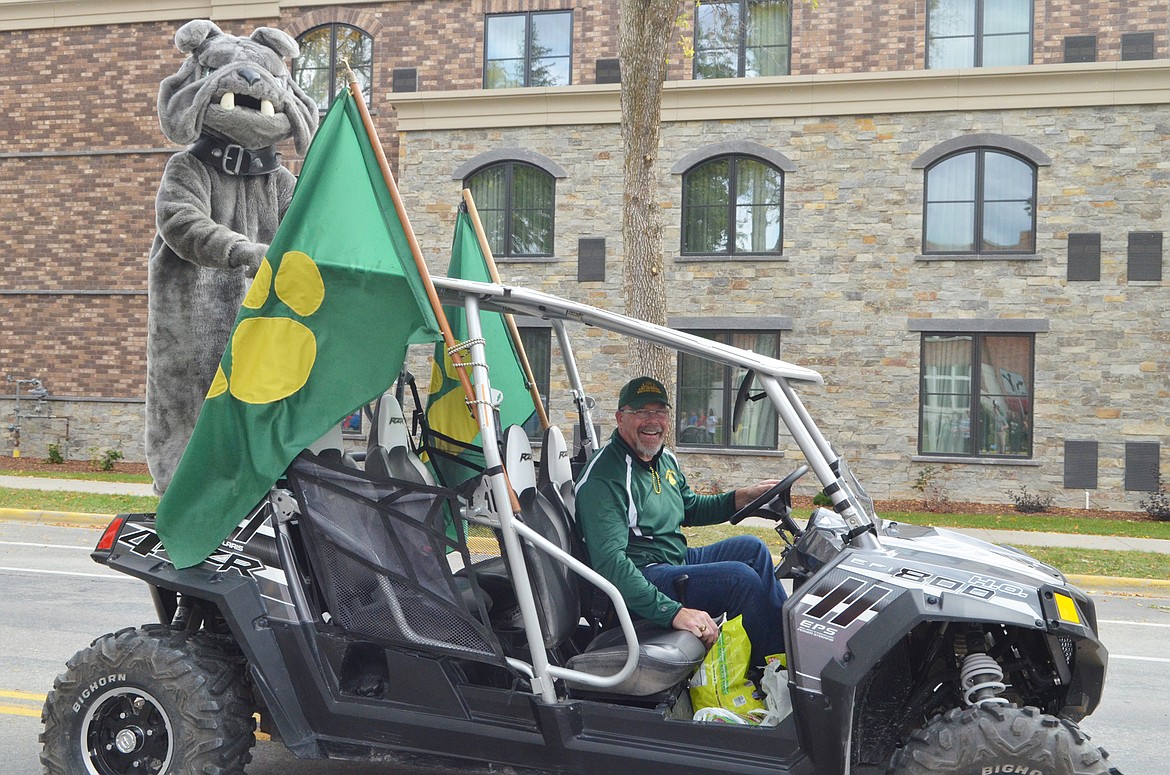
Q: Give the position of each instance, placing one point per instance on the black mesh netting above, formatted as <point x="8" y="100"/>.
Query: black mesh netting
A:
<point x="381" y="553"/>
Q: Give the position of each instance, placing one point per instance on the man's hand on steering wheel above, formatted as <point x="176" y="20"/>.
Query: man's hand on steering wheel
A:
<point x="766" y="492"/>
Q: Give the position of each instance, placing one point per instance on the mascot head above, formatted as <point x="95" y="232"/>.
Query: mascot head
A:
<point x="237" y="89"/>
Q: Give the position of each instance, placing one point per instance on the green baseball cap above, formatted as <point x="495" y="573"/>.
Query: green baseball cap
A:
<point x="641" y="391"/>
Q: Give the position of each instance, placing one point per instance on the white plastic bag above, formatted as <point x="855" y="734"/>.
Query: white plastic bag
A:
<point x="776" y="695"/>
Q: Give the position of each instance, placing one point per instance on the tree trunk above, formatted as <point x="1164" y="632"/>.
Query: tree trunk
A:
<point x="647" y="27"/>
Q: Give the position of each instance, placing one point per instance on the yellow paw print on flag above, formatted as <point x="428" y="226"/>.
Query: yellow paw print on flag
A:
<point x="273" y="356"/>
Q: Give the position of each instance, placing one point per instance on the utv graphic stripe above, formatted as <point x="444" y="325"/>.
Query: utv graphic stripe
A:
<point x="871" y="598"/>
<point x="844" y="590"/>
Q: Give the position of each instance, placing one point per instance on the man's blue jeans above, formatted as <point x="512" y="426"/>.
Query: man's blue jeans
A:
<point x="734" y="576"/>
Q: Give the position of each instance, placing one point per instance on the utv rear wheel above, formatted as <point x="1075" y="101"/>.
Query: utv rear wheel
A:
<point x="999" y="739"/>
<point x="147" y="702"/>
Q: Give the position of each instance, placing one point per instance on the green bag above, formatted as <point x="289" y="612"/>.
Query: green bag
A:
<point x="721" y="681"/>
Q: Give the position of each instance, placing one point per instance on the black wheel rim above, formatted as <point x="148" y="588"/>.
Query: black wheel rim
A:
<point x="126" y="731"/>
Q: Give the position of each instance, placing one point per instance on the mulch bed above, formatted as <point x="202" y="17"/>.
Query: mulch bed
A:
<point x="42" y="466"/>
<point x="801" y="504"/>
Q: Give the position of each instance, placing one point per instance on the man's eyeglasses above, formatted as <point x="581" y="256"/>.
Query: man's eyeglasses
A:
<point x="647" y="414"/>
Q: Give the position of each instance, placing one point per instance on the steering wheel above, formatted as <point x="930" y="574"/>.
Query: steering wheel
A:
<point x="783" y="486"/>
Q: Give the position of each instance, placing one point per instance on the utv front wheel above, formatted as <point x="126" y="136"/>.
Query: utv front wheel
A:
<point x="151" y="701"/>
<point x="999" y="739"/>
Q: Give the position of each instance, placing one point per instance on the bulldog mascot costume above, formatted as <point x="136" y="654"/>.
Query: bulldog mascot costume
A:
<point x="218" y="207"/>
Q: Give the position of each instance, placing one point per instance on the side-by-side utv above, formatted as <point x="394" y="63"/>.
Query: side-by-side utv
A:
<point x="364" y="611"/>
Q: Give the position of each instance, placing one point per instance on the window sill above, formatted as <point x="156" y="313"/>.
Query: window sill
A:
<point x="977" y="257"/>
<point x="691" y="450"/>
<point x="526" y="259"/>
<point x="978" y="461"/>
<point x="681" y="259"/>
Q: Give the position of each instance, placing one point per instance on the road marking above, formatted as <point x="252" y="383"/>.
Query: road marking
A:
<point x="13" y="710"/>
<point x="1135" y="624"/>
<point x="107" y="576"/>
<point x="12" y="694"/>
<point x="1139" y="659"/>
<point x="47" y="546"/>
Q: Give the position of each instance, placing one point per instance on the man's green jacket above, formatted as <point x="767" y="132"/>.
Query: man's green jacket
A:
<point x="630" y="513"/>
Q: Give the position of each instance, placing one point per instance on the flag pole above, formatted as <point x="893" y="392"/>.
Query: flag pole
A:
<point x="415" y="250"/>
<point x="509" y="321"/>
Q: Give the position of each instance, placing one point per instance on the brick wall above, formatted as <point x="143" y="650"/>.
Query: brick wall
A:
<point x="81" y="155"/>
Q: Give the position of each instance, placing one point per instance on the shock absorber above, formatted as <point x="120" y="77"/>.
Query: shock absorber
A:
<point x="981" y="677"/>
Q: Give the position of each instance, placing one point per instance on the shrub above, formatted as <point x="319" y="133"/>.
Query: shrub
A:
<point x="55" y="455"/>
<point x="104" y="461"/>
<point x="930" y="483"/>
<point x="1030" y="503"/>
<point x="820" y="499"/>
<point x="1158" y="504"/>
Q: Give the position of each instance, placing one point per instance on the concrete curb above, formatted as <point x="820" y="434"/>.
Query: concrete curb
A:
<point x="71" y="518"/>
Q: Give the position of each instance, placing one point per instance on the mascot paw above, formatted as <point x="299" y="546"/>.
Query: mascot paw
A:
<point x="248" y="255"/>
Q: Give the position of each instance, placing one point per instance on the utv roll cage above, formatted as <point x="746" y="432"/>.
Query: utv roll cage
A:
<point x="774" y="376"/>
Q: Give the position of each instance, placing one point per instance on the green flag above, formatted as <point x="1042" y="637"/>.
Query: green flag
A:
<point x="323" y="329"/>
<point x="447" y="411"/>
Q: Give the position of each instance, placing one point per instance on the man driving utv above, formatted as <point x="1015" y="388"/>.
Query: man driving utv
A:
<point x="632" y="500"/>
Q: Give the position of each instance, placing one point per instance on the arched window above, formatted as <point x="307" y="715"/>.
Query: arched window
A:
<point x="515" y="202"/>
<point x="320" y="69"/>
<point x="980" y="201"/>
<point x="733" y="205"/>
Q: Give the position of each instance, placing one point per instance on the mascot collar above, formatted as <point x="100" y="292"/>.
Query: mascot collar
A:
<point x="232" y="159"/>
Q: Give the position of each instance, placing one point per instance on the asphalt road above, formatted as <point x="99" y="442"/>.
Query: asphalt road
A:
<point x="55" y="600"/>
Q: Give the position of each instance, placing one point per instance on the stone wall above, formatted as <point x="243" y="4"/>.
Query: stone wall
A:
<point x="81" y="430"/>
<point x="852" y="278"/>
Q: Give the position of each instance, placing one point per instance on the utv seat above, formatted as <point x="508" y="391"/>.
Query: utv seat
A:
<point x="556" y="469"/>
<point x="389" y="454"/>
<point x="331" y="447"/>
<point x="665" y="657"/>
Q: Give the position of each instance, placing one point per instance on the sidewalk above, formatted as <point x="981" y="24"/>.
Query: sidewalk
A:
<point x="75" y="485"/>
<point x="1018" y="538"/>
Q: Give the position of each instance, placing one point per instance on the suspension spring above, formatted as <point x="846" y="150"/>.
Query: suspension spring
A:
<point x="981" y="680"/>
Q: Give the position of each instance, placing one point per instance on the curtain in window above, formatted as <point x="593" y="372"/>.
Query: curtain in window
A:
<point x="705" y="203"/>
<point x="706" y="395"/>
<point x="1007" y="32"/>
<point x="1005" y="396"/>
<point x="946" y="394"/>
<point x="950" y="205"/>
<point x="504" y="44"/>
<point x="532" y="211"/>
<point x="767" y="38"/>
<point x="758" y="424"/>
<point x="951" y="39"/>
<point x="996" y="367"/>
<point x="489" y="189"/>
<point x="758" y="197"/>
